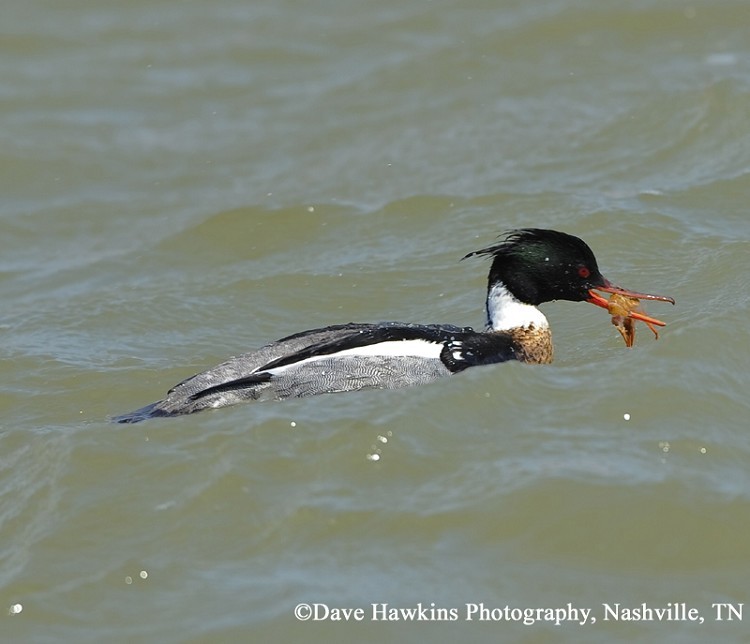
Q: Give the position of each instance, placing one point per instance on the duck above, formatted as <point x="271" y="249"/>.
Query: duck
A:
<point x="530" y="266"/>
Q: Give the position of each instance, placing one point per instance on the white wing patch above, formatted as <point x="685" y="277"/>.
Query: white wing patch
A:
<point x="415" y="348"/>
<point x="392" y="348"/>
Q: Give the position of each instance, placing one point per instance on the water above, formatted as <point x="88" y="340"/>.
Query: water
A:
<point x="182" y="182"/>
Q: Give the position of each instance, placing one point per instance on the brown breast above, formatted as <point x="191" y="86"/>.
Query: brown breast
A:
<point x="533" y="345"/>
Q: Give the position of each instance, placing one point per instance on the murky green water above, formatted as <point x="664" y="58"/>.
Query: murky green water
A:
<point x="185" y="181"/>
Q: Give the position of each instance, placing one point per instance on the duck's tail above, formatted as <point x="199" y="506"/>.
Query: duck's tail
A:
<point x="144" y="413"/>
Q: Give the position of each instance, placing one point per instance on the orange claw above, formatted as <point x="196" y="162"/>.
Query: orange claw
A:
<point x="624" y="307"/>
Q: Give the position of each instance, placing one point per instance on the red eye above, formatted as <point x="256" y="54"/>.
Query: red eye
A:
<point x="583" y="272"/>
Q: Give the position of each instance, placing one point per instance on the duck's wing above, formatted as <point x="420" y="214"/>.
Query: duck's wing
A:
<point x="384" y="338"/>
<point x="235" y="368"/>
<point x="248" y="364"/>
<point x="440" y="349"/>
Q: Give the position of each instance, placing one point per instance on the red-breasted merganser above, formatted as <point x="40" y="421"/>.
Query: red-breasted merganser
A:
<point x="529" y="266"/>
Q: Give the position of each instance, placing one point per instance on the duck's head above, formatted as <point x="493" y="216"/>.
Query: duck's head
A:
<point x="539" y="265"/>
